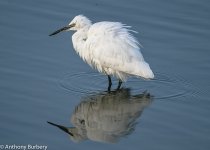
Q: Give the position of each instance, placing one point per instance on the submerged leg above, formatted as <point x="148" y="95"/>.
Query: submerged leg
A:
<point x="119" y="84"/>
<point x="110" y="83"/>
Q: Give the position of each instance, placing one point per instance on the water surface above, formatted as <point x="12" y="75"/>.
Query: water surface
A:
<point x="42" y="78"/>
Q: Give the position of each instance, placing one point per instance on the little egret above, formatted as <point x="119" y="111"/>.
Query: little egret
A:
<point x="108" y="47"/>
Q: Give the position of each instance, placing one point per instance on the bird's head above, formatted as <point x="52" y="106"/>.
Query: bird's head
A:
<point x="79" y="22"/>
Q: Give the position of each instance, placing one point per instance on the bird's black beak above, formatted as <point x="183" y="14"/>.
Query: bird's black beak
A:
<point x="65" y="129"/>
<point x="63" y="29"/>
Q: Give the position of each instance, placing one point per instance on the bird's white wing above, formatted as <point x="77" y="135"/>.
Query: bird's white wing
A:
<point x="110" y="45"/>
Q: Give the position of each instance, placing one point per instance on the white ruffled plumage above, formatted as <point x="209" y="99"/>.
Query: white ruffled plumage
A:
<point x="109" y="47"/>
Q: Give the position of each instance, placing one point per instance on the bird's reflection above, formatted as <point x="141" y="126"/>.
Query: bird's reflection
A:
<point x="106" y="116"/>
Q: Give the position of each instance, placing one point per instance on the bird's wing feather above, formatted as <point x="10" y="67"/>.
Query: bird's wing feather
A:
<point x="111" y="45"/>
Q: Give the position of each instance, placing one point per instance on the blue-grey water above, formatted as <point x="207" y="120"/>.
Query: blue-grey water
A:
<point x="42" y="78"/>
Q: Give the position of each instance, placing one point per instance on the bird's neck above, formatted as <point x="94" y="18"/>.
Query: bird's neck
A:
<point x="78" y="40"/>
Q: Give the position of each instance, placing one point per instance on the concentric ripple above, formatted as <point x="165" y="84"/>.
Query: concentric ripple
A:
<point x="162" y="87"/>
<point x="84" y="82"/>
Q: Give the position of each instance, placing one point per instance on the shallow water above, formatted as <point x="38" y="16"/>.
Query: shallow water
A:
<point x="42" y="78"/>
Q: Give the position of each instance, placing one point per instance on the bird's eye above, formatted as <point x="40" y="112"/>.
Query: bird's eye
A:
<point x="73" y="24"/>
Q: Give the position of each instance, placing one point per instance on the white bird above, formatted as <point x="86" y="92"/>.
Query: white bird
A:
<point x="108" y="47"/>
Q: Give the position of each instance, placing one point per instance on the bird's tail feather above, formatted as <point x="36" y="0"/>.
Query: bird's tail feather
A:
<point x="143" y="70"/>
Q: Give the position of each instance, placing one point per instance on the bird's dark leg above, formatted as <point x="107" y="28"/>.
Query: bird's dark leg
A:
<point x="119" y="84"/>
<point x="110" y="83"/>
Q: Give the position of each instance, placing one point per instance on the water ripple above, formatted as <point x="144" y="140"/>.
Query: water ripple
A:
<point x="162" y="87"/>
